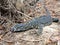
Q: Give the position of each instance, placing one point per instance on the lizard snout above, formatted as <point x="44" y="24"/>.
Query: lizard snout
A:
<point x="12" y="29"/>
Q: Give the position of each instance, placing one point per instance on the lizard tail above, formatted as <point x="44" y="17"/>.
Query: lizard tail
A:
<point x="55" y="19"/>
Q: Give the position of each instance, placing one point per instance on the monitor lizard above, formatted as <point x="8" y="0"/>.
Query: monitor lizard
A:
<point x="38" y="23"/>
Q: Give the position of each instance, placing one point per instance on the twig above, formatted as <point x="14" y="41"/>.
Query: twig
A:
<point x="19" y="11"/>
<point x="7" y="19"/>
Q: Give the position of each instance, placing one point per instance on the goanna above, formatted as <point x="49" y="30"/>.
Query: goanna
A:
<point x="38" y="23"/>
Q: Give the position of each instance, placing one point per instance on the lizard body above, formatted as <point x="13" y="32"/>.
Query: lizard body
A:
<point x="34" y="23"/>
<point x="38" y="23"/>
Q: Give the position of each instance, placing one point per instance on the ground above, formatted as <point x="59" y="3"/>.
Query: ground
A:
<point x="50" y="36"/>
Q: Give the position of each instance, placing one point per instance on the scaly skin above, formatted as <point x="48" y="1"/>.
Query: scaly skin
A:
<point x="34" y="23"/>
<point x="38" y="23"/>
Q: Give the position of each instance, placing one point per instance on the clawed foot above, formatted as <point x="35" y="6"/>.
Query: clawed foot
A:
<point x="38" y="33"/>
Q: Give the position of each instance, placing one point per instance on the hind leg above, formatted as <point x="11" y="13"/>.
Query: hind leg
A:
<point x="40" y="29"/>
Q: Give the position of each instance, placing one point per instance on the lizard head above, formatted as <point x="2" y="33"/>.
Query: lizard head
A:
<point x="17" y="28"/>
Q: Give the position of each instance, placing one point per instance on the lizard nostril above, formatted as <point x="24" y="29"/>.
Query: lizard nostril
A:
<point x="12" y="29"/>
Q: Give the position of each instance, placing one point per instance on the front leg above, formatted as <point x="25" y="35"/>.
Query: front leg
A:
<point x="40" y="29"/>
